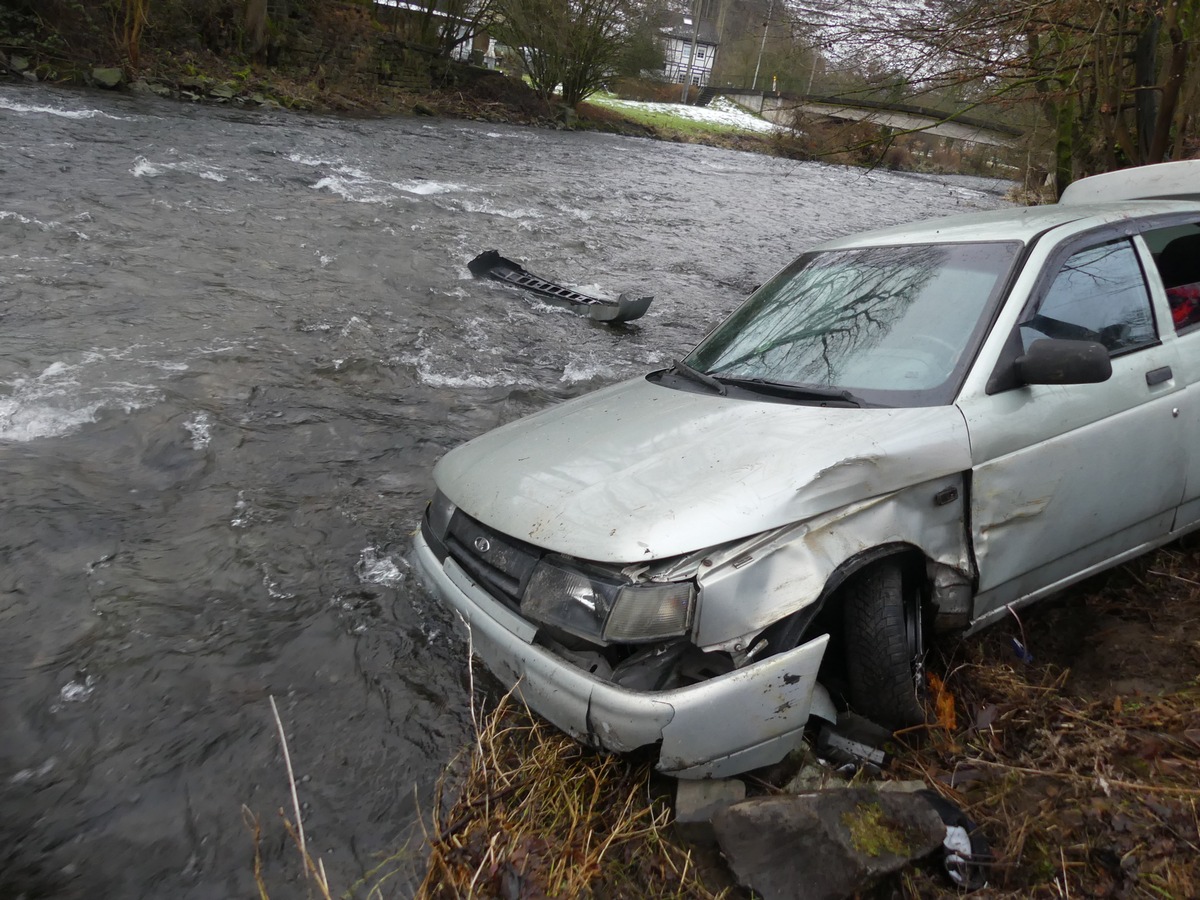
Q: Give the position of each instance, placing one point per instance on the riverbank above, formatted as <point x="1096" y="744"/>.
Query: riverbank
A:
<point x="459" y="91"/>
<point x="432" y="87"/>
<point x="344" y="61"/>
<point x="1078" y="759"/>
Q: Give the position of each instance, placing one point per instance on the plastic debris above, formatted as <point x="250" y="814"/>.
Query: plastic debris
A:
<point x="967" y="855"/>
<point x="1021" y="651"/>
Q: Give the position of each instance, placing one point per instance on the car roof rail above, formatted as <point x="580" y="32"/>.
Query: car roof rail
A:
<point x="1160" y="181"/>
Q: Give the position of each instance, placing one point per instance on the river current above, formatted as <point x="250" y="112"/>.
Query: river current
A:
<point x="232" y="346"/>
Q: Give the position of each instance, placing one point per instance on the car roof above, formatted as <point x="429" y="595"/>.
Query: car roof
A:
<point x="1015" y="224"/>
<point x="1179" y="180"/>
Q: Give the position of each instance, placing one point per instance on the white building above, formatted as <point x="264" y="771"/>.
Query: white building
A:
<point x="677" y="47"/>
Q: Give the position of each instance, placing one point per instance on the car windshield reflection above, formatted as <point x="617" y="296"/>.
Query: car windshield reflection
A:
<point x="892" y="325"/>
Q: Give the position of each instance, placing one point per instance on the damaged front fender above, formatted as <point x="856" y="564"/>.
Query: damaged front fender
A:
<point x="761" y="581"/>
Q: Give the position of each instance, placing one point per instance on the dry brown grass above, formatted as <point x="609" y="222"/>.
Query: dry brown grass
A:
<point x="1083" y="767"/>
<point x="535" y="814"/>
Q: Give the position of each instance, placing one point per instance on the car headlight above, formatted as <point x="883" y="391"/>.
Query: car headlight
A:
<point x="649" y="612"/>
<point x="606" y="611"/>
<point x="568" y="599"/>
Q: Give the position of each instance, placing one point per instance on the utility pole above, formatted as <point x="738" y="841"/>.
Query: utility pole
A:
<point x="687" y="79"/>
<point x="762" y="46"/>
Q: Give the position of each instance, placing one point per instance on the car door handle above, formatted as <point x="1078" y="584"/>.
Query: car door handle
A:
<point x="1158" y="376"/>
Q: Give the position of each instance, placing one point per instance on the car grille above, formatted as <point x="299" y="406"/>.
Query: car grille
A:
<point x="499" y="563"/>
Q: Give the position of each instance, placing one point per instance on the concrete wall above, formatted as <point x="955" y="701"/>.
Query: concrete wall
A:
<point x="751" y="100"/>
<point x="780" y="108"/>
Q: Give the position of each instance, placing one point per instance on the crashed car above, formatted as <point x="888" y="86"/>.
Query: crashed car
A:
<point x="901" y="434"/>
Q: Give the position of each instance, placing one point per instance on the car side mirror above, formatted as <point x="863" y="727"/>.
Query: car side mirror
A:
<point x="1064" y="362"/>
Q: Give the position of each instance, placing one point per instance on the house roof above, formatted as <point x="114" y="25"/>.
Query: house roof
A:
<point x="681" y="27"/>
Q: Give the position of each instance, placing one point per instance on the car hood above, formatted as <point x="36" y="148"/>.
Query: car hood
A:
<point x="637" y="471"/>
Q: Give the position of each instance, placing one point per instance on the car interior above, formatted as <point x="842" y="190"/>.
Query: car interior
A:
<point x="1179" y="266"/>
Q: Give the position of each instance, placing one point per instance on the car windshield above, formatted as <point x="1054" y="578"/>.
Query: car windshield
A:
<point x="892" y="326"/>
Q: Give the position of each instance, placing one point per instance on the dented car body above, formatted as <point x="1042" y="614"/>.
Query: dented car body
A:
<point x="903" y="432"/>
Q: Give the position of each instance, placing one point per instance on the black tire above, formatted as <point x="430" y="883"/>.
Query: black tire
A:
<point x="884" y="647"/>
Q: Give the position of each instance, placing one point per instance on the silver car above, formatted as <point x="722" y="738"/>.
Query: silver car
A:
<point x="901" y="434"/>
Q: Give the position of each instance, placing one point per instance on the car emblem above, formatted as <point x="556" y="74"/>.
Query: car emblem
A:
<point x="482" y="544"/>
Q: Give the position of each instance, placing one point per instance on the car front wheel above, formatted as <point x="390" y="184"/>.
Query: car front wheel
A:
<point x="885" y="650"/>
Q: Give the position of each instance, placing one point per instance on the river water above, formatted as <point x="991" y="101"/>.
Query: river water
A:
<point x="232" y="346"/>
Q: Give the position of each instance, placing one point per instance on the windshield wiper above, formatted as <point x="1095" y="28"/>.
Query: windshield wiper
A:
<point x="682" y="369"/>
<point x="798" y="391"/>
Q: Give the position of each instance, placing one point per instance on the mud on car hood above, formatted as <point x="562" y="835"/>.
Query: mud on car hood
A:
<point x="638" y="471"/>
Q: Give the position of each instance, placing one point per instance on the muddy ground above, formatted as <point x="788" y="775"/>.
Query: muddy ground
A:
<point x="1080" y="760"/>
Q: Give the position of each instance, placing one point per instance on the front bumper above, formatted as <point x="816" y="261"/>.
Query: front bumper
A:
<point x="743" y="720"/>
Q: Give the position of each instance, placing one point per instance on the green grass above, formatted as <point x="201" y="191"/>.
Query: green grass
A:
<point x="663" y="121"/>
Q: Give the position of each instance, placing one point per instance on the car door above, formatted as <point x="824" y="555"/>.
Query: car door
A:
<point x="1175" y="249"/>
<point x="1065" y="478"/>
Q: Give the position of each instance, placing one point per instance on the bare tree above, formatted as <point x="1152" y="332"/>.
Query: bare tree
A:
<point x="438" y="26"/>
<point x="577" y="44"/>
<point x="254" y="22"/>
<point x="1117" y="81"/>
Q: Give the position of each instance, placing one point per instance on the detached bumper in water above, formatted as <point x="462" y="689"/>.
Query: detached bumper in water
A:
<point x="745" y="719"/>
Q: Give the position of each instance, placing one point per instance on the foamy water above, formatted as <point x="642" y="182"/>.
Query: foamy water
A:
<point x="143" y="168"/>
<point x="69" y="227"/>
<point x="65" y="396"/>
<point x="199" y="427"/>
<point x="360" y="188"/>
<point x="376" y="567"/>
<point x="428" y="188"/>
<point x="350" y="181"/>
<point x="62" y="112"/>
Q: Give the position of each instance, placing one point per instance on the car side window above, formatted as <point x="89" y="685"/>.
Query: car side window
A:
<point x="1177" y="256"/>
<point x="1099" y="294"/>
